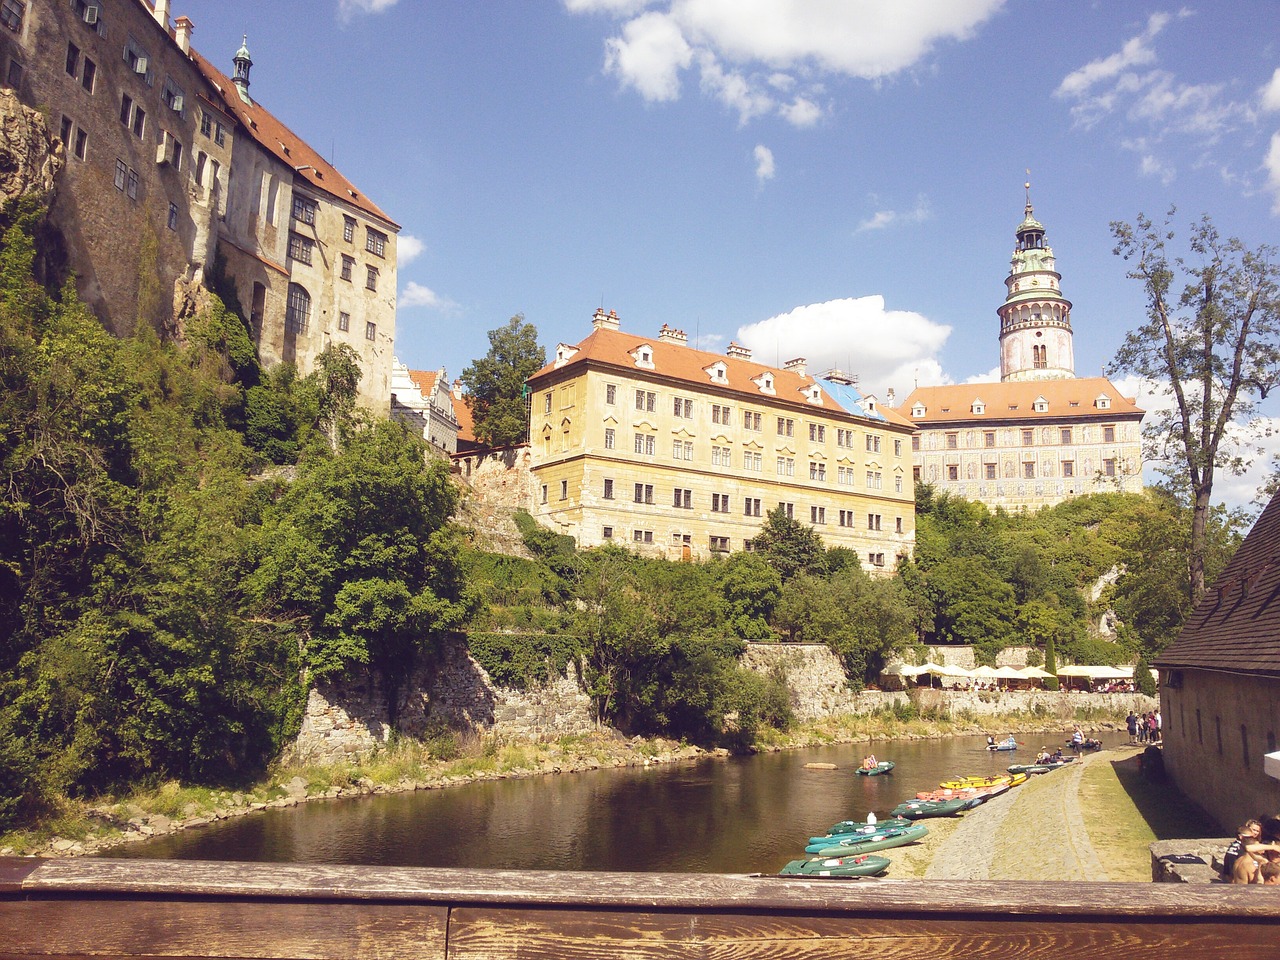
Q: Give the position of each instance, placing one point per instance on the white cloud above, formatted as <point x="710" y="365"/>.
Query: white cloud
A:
<point x="416" y="295"/>
<point x="408" y="248"/>
<point x="1270" y="99"/>
<point x="349" y="8"/>
<point x="747" y="51"/>
<point x="887" y="218"/>
<point x="991" y="376"/>
<point x="1135" y="52"/>
<point x="885" y="348"/>
<point x="1272" y="165"/>
<point x="1155" y="167"/>
<point x="764" y="163"/>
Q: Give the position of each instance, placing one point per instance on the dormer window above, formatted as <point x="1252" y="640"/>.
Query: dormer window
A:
<point x="918" y="410"/>
<point x="1040" y="405"/>
<point x="1103" y="402"/>
<point x="813" y="394"/>
<point x="643" y="356"/>
<point x="718" y="372"/>
<point x="978" y="407"/>
<point x="765" y="383"/>
<point x="564" y="353"/>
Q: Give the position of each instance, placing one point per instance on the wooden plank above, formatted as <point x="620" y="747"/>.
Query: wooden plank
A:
<point x="263" y="930"/>
<point x="14" y="870"/>
<point x="159" y="878"/>
<point x="485" y="934"/>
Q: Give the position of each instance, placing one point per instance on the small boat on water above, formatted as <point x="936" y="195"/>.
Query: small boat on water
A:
<point x="857" y="843"/>
<point x="1039" y="767"/>
<point x="969" y="793"/>
<point x="924" y="809"/>
<point x="847" y="828"/>
<point x="884" y="766"/>
<point x="862" y="865"/>
<point x="1009" y="744"/>
<point x="962" y="783"/>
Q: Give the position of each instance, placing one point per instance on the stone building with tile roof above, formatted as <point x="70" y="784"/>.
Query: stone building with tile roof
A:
<point x="422" y="399"/>
<point x="1040" y="435"/>
<point x="678" y="452"/>
<point x="1220" y="686"/>
<point x="172" y="168"/>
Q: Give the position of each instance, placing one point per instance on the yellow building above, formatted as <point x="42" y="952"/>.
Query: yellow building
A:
<point x="679" y="452"/>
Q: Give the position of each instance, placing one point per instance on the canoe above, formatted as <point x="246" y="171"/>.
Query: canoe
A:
<point x="968" y="793"/>
<point x="856" y="844"/>
<point x="923" y="809"/>
<point x="847" y="828"/>
<point x="962" y="783"/>
<point x="859" y="866"/>
<point x="884" y="766"/>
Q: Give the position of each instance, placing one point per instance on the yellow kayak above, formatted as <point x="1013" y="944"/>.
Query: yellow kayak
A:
<point x="965" y="783"/>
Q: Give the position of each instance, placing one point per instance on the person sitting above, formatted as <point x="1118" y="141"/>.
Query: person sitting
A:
<point x="1043" y="755"/>
<point x="869" y="762"/>
<point x="991" y="741"/>
<point x="1057" y="756"/>
<point x="1246" y="834"/>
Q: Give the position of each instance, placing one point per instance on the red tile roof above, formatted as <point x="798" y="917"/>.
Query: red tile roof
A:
<point x="613" y="348"/>
<point x="287" y="146"/>
<point x="424" y="380"/>
<point x="1065" y="398"/>
<point x="1236" y="626"/>
<point x="466" y="422"/>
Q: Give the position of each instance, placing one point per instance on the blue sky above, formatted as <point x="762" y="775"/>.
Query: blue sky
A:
<point x="834" y="179"/>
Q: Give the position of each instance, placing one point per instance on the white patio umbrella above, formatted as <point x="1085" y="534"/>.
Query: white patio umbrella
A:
<point x="1008" y="673"/>
<point x="901" y="670"/>
<point x="1035" y="673"/>
<point x="984" y="673"/>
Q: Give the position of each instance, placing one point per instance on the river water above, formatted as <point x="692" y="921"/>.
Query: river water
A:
<point x="737" y="815"/>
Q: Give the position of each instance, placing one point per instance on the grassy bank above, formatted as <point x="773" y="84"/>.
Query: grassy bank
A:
<point x="78" y="826"/>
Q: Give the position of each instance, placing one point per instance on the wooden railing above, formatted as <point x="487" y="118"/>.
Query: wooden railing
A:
<point x="107" y="908"/>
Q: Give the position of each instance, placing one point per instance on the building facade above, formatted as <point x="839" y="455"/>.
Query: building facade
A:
<point x="1040" y="435"/>
<point x="678" y="452"/>
<point x="422" y="399"/>
<point x="173" y="172"/>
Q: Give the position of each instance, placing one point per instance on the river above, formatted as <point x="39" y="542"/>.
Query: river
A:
<point x="735" y="815"/>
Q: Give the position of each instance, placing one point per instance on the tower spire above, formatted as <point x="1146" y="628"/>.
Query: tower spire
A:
<point x="242" y="62"/>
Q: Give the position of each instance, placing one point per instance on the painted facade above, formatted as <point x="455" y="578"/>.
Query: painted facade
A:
<point x="678" y="452"/>
<point x="173" y="168"/>
<point x="422" y="399"/>
<point x="1040" y="435"/>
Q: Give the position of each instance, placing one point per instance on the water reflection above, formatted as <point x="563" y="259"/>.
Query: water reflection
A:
<point x="739" y="815"/>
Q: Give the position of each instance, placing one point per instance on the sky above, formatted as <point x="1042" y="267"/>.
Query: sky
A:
<point x="838" y="180"/>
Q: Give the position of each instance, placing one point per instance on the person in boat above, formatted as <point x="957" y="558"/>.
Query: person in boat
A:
<point x="1043" y="756"/>
<point x="1057" y="756"/>
<point x="991" y="741"/>
<point x="869" y="762"/>
<point x="1010" y="741"/>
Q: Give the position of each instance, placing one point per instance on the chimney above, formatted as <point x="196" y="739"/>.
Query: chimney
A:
<point x="738" y="351"/>
<point x="457" y="389"/>
<point x="796" y="366"/>
<point x="182" y="28"/>
<point x="890" y="396"/>
<point x="672" y="335"/>
<point x="605" y="321"/>
<point x="161" y="13"/>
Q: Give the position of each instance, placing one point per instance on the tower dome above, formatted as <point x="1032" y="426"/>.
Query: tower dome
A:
<point x="1035" y="318"/>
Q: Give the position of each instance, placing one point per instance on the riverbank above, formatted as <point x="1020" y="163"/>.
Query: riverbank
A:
<point x="85" y="829"/>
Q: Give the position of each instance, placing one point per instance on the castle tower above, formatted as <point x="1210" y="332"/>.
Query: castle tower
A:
<point x="1035" y="318"/>
<point x="242" y="62"/>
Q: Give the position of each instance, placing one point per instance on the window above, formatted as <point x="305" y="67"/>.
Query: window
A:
<point x="1029" y="470"/>
<point x="844" y="438"/>
<point x="721" y="414"/>
<point x="844" y="476"/>
<point x="609" y="438"/>
<point x="371" y="278"/>
<point x="1109" y="433"/>
<point x="752" y="460"/>
<point x="644" y="444"/>
<point x="873" y="443"/>
<point x="873" y="521"/>
<point x="172" y="96"/>
<point x="788" y="509"/>
<point x="607" y="533"/>
<point x="751" y="420"/>
<point x="297" y="309"/>
<point x="348" y="228"/>
<point x="1109" y="467"/>
<point x="897" y="448"/>
<point x="122" y="173"/>
<point x="721" y="457"/>
<point x="915" y="442"/>
<point x="304" y="209"/>
<point x="132" y="188"/>
<point x="751" y="507"/>
<point x="875" y="559"/>
<point x="88" y="74"/>
<point x="897" y="484"/>
<point x="73" y="60"/>
<point x="682" y="450"/>
<point x="546" y="402"/>
<point x="370" y="330"/>
<point x="375" y="242"/>
<point x="544" y="493"/>
<point x="817" y="514"/>
<point x="897" y="525"/>
<point x="177" y="155"/>
<point x="846" y="518"/>
<point x="206" y="124"/>
<point x="682" y="498"/>
<point x="953" y="441"/>
<point x="11" y="14"/>
<point x="344" y="321"/>
<point x="300" y="247"/>
<point x="644" y="493"/>
<point x="138" y="60"/>
<point x="786" y="467"/>
<point x="13" y="78"/>
<point x="564" y="489"/>
<point x="1028" y="437"/>
<point x="611" y="393"/>
<point x="718" y="544"/>
<point x="1064" y="435"/>
<point x="219" y="134"/>
<point x="875" y="480"/>
<point x="953" y="472"/>
<point x="646" y="401"/>
<point x="989" y="471"/>
<point x="989" y="439"/>
<point x="1068" y="468"/>
<point x="786" y="427"/>
<point x="682" y="407"/>
<point x="817" y="471"/>
<point x="817" y="433"/>
<point x="139" y="122"/>
<point x="173" y="216"/>
<point x="642" y="536"/>
<point x="608" y="488"/>
<point x="719" y="503"/>
<point x="348" y="265"/>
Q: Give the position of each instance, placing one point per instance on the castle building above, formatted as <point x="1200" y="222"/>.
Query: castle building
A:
<point x="422" y="398"/>
<point x="1040" y="435"/>
<point x="174" y="172"/>
<point x="679" y="452"/>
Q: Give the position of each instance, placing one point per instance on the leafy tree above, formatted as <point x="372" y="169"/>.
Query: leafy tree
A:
<point x="974" y="606"/>
<point x="1212" y="338"/>
<point x="496" y="383"/>
<point x="789" y="546"/>
<point x="751" y="588"/>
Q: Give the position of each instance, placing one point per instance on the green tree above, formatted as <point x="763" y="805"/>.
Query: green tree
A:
<point x="974" y="606"/>
<point x="496" y="383"/>
<point x="1212" y="337"/>
<point x="789" y="546"/>
<point x="1051" y="665"/>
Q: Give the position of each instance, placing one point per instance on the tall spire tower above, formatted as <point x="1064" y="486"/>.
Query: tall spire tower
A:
<point x="1035" y="318"/>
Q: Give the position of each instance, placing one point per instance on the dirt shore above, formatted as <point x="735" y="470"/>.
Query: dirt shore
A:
<point x="1045" y="829"/>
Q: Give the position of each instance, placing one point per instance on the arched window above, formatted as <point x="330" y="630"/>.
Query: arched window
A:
<point x="297" y="309"/>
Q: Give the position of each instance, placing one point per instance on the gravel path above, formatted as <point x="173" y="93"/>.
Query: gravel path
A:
<point x="1034" y="832"/>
